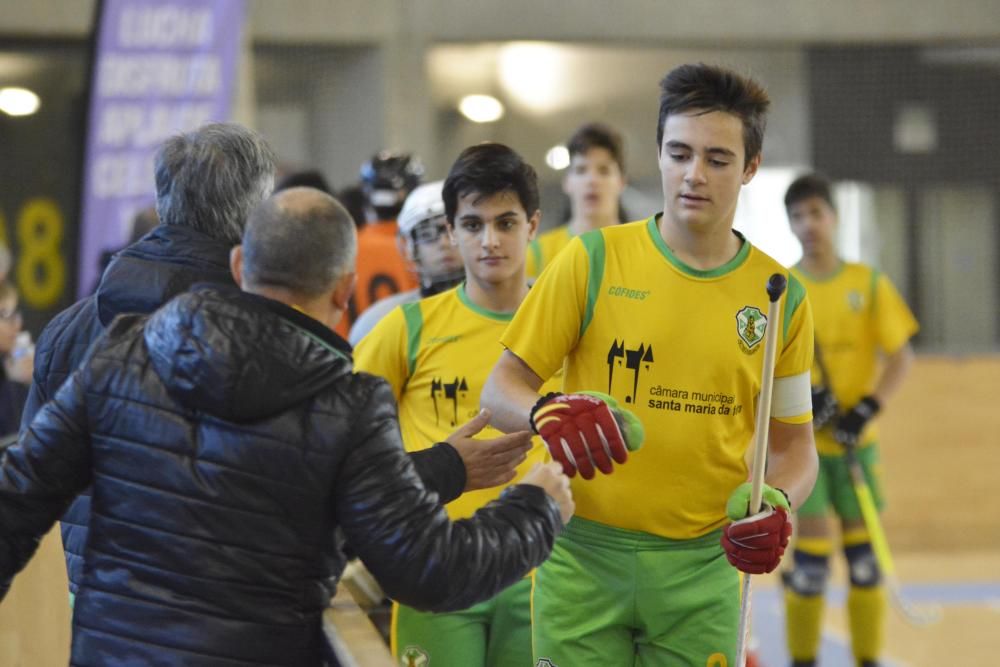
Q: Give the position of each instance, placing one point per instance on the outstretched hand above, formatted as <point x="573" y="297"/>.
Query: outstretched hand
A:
<point x="489" y="462"/>
<point x="550" y="477"/>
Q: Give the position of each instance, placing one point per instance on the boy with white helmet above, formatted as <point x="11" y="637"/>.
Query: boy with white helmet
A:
<point x="423" y="237"/>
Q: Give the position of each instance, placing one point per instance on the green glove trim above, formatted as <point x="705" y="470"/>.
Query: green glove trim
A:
<point x="738" y="506"/>
<point x="632" y="429"/>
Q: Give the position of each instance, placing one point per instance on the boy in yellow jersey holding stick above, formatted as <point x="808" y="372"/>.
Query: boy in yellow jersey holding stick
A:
<point x="593" y="182"/>
<point x="667" y="315"/>
<point x="860" y="317"/>
<point x="436" y="354"/>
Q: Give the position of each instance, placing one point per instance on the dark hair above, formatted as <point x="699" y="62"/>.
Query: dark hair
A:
<point x="211" y="179"/>
<point x="706" y="88"/>
<point x="597" y="135"/>
<point x="809" y="185"/>
<point x="488" y="169"/>
<point x="306" y="178"/>
<point x="354" y="200"/>
<point x="300" y="239"/>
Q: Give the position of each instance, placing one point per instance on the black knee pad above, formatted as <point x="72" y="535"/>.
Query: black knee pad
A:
<point x="863" y="565"/>
<point x="809" y="576"/>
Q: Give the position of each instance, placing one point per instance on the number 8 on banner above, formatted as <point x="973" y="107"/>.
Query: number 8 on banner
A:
<point x="41" y="271"/>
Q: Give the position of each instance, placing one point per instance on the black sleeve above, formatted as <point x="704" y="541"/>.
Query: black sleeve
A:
<point x="41" y="475"/>
<point x="403" y="535"/>
<point x="36" y="393"/>
<point x="441" y="469"/>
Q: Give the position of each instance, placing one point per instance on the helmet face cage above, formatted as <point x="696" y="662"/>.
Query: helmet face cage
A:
<point x="387" y="179"/>
<point x="429" y="230"/>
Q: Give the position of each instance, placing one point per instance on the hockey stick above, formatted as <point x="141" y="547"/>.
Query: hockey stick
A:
<point x="913" y="615"/>
<point x="775" y="288"/>
<point x="873" y="524"/>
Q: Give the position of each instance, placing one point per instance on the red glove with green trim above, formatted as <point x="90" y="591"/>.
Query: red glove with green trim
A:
<point x="586" y="430"/>
<point x="755" y="544"/>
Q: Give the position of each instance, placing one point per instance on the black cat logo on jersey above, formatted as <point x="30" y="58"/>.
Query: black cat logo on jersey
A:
<point x="448" y="391"/>
<point x="634" y="359"/>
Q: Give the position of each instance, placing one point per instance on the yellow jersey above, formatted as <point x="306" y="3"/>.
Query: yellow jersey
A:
<point x="544" y="248"/>
<point x="680" y="347"/>
<point x="859" y="315"/>
<point x="437" y="353"/>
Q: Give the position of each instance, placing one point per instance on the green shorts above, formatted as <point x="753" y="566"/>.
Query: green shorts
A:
<point x="834" y="488"/>
<point x="495" y="633"/>
<point x="609" y="596"/>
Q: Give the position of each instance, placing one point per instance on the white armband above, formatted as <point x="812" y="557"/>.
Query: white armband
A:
<point x="792" y="396"/>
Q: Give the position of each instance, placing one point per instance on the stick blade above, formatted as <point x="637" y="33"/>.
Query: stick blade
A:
<point x="914" y="615"/>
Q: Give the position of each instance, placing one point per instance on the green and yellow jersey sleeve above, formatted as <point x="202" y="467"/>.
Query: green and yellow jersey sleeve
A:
<point x="681" y="348"/>
<point x="385" y="350"/>
<point x="439" y="351"/>
<point x="859" y="316"/>
<point x="544" y="249"/>
<point x="547" y="324"/>
<point x="895" y="323"/>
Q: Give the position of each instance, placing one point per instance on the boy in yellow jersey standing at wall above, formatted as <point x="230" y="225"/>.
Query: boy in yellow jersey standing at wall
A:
<point x="437" y="353"/>
<point x="594" y="182"/>
<point x="667" y="315"/>
<point x="860" y="318"/>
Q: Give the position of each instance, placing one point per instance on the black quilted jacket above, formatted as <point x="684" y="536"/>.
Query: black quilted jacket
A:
<point x="227" y="439"/>
<point x="140" y="279"/>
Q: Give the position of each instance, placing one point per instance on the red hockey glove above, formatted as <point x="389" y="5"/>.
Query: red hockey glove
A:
<point x="755" y="544"/>
<point x="585" y="430"/>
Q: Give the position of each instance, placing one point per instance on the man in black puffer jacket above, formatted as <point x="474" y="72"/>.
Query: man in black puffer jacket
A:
<point x="227" y="439"/>
<point x="207" y="182"/>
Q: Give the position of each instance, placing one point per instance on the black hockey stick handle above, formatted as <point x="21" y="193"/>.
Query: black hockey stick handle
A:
<point x="776" y="285"/>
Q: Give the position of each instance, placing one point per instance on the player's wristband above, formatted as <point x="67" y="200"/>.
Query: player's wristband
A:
<point x="539" y="403"/>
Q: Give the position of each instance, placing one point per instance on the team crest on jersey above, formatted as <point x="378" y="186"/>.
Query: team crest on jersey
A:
<point x="545" y="662"/>
<point x="855" y="300"/>
<point x="750" y="326"/>
<point x="414" y="656"/>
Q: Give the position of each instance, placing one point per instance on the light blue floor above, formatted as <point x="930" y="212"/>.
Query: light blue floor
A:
<point x="769" y="618"/>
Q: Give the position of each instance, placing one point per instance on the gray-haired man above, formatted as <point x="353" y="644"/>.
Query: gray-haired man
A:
<point x="207" y="183"/>
<point x="227" y="439"/>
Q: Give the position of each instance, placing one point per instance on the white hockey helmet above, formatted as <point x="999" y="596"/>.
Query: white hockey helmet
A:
<point x="423" y="203"/>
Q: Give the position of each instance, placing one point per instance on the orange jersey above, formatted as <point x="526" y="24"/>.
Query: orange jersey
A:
<point x="382" y="271"/>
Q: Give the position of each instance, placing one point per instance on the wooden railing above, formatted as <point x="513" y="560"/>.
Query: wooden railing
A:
<point x="351" y="636"/>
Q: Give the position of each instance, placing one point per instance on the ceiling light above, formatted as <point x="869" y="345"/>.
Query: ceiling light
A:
<point x="533" y="74"/>
<point x="18" y="101"/>
<point x="481" y="108"/>
<point x="557" y="157"/>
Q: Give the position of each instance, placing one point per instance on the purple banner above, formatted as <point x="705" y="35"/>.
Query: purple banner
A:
<point x="160" y="67"/>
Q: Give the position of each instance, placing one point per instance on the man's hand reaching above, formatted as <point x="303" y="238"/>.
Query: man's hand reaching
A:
<point x="489" y="462"/>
